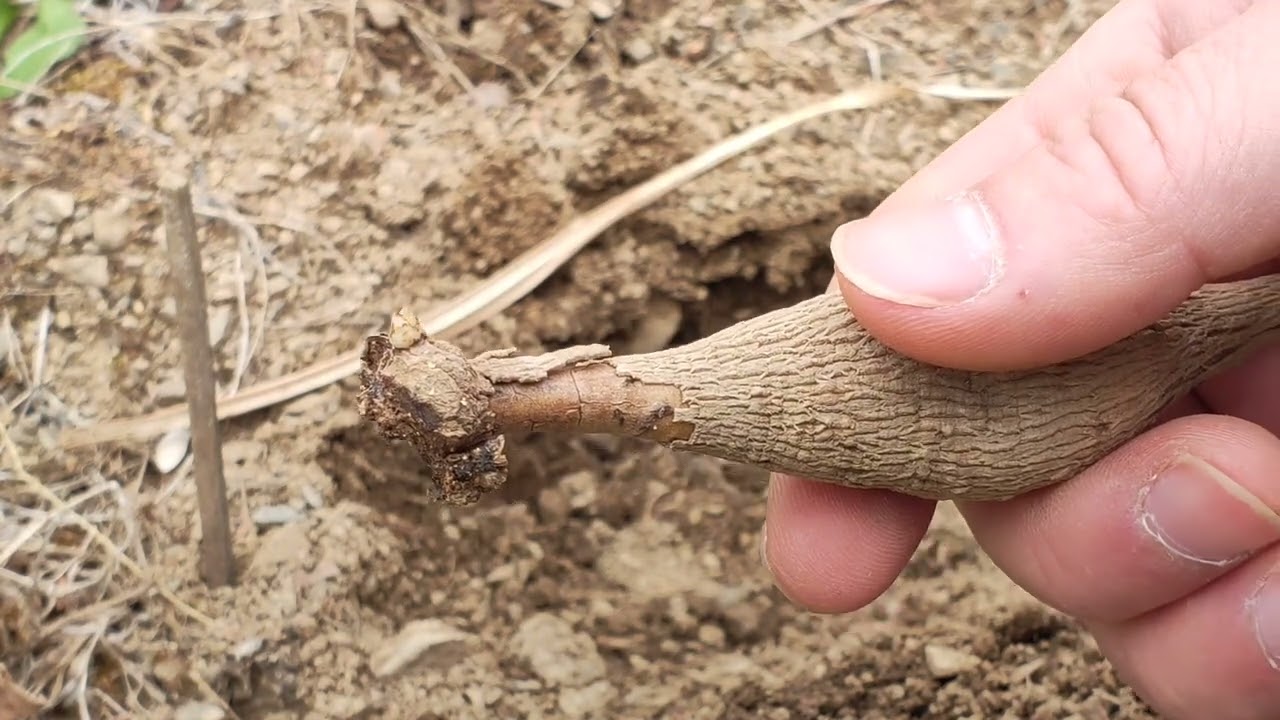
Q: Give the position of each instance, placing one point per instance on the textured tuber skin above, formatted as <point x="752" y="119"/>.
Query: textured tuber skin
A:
<point x="806" y="390"/>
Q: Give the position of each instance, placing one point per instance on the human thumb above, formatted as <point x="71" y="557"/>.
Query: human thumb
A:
<point x="1118" y="214"/>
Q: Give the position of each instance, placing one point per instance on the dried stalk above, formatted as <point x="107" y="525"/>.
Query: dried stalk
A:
<point x="217" y="562"/>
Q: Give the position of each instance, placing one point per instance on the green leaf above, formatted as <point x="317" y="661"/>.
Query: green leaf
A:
<point x="8" y="16"/>
<point x="56" y="34"/>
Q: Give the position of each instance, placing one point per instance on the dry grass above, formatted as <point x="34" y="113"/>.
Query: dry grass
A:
<point x="73" y="567"/>
<point x="65" y="593"/>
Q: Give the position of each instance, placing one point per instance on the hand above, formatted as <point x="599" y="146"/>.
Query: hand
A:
<point x="1143" y="164"/>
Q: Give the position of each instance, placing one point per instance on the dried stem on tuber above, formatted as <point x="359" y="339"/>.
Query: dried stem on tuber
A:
<point x="806" y="390"/>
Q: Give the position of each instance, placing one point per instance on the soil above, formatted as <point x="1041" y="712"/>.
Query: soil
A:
<point x="354" y="158"/>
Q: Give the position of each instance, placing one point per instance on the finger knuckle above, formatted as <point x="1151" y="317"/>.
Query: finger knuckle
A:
<point x="1108" y="173"/>
<point x="1181" y="137"/>
<point x="1130" y="155"/>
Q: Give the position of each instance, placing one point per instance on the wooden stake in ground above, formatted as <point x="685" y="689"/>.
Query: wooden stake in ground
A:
<point x="217" y="565"/>
<point x="806" y="390"/>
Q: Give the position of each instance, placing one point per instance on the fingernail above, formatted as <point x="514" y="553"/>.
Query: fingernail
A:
<point x="1196" y="512"/>
<point x="939" y="255"/>
<point x="1264" y="606"/>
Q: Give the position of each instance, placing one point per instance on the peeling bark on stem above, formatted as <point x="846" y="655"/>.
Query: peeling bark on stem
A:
<point x="806" y="390"/>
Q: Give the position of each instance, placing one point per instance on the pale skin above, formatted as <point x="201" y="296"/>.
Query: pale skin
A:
<point x="1142" y="165"/>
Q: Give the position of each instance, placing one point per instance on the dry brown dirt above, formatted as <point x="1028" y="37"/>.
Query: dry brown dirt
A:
<point x="355" y="157"/>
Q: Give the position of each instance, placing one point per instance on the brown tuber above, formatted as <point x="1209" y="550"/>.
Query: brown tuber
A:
<point x="806" y="390"/>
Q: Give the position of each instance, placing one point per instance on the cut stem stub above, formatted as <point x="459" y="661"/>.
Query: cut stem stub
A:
<point x="806" y="390"/>
<point x="455" y="410"/>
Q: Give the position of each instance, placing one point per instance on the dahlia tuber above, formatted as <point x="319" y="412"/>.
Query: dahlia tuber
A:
<point x="806" y="390"/>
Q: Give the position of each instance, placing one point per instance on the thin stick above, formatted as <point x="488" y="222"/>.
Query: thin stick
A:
<point x="217" y="564"/>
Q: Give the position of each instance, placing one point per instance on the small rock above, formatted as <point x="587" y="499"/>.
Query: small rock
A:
<point x="491" y="95"/>
<point x="638" y="50"/>
<point x="88" y="270"/>
<point x="247" y="648"/>
<point x="280" y="545"/>
<point x="44" y="234"/>
<point x="110" y="228"/>
<point x="16" y="244"/>
<point x="410" y="643"/>
<point x="652" y="559"/>
<point x="171" y="449"/>
<point x="501" y="574"/>
<point x="389" y="84"/>
<point x="711" y="635"/>
<point x="199" y="711"/>
<point x="331" y="224"/>
<point x="746" y="623"/>
<point x="553" y="506"/>
<point x="556" y="653"/>
<point x="602" y="9"/>
<point x="587" y="701"/>
<point x="276" y="515"/>
<point x="698" y="48"/>
<point x="580" y="487"/>
<point x="311" y="496"/>
<point x="383" y="14"/>
<point x="559" y="4"/>
<point x="170" y="670"/>
<point x="945" y="662"/>
<point x="82" y="228"/>
<point x="51" y="207"/>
